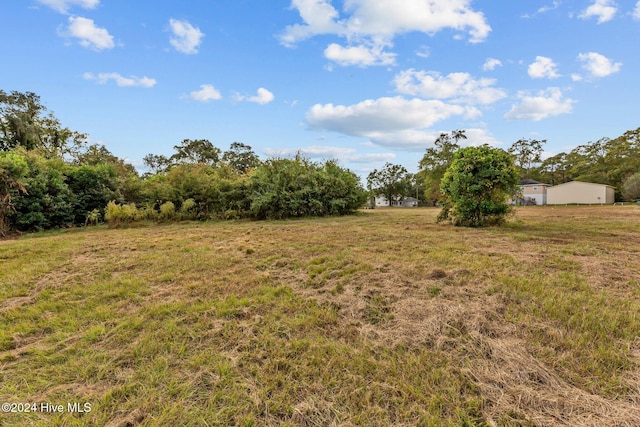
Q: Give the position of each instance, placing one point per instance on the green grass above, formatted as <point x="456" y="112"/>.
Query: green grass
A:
<point x="382" y="318"/>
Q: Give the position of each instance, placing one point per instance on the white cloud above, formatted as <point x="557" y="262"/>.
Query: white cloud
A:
<point x="544" y="9"/>
<point x="382" y="114"/>
<point x="205" y="94"/>
<point x="88" y="34"/>
<point x="490" y="64"/>
<point x="373" y="24"/>
<point x="636" y="12"/>
<point x="319" y="17"/>
<point x="545" y="103"/>
<point x="359" y="55"/>
<point x="456" y="87"/>
<point x="423" y="52"/>
<point x="343" y="154"/>
<point x="604" y="10"/>
<point x="63" y="6"/>
<point x="386" y="121"/>
<point x="543" y="67"/>
<point x="131" y="81"/>
<point x="186" y="38"/>
<point x="598" y="65"/>
<point x="263" y="96"/>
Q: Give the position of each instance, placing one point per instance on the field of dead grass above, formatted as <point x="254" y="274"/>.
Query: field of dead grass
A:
<point x="382" y="318"/>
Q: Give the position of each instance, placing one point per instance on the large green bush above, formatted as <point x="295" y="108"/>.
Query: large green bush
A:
<point x="476" y="187"/>
<point x="285" y="188"/>
<point x="47" y="201"/>
<point x="93" y="187"/>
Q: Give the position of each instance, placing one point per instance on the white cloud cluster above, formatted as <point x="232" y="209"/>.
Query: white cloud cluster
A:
<point x="343" y="154"/>
<point x="359" y="55"/>
<point x="131" y="81"/>
<point x="543" y="67"/>
<point x="88" y="34"/>
<point x="386" y="121"/>
<point x="636" y="12"/>
<point x="547" y="8"/>
<point x="371" y="25"/>
<point x="546" y="103"/>
<point x="205" y="94"/>
<point x="63" y="6"/>
<point x="598" y="65"/>
<point x="604" y="10"/>
<point x="185" y="37"/>
<point x="490" y="64"/>
<point x="262" y="97"/>
<point x="456" y="87"/>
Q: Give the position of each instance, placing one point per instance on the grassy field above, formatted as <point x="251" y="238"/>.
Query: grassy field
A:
<point x="382" y="318"/>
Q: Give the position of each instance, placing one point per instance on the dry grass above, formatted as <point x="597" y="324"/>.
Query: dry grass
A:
<point x="383" y="318"/>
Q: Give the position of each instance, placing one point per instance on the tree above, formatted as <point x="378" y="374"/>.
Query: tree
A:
<point x="553" y="170"/>
<point x="13" y="170"/>
<point x="241" y="157"/>
<point x="157" y="163"/>
<point x="631" y="187"/>
<point x="199" y="151"/>
<point x="526" y="153"/>
<point x="476" y="187"/>
<point x="392" y="182"/>
<point x="25" y="122"/>
<point x="436" y="160"/>
<point x="285" y="188"/>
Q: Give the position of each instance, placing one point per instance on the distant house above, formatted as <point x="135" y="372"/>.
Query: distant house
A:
<point x="533" y="192"/>
<point x="406" y="202"/>
<point x="580" y="193"/>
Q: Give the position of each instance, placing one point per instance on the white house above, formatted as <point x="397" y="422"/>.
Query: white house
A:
<point x="533" y="192"/>
<point x="580" y="193"/>
<point x="407" y="202"/>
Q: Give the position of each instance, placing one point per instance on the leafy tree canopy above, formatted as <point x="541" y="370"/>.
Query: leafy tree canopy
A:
<point x="476" y="187"/>
<point x="25" y="122"/>
<point x="392" y="181"/>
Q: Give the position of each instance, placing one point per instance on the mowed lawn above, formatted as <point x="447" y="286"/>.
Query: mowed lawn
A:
<point x="378" y="319"/>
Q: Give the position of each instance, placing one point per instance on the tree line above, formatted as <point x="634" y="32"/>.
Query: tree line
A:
<point x="614" y="162"/>
<point x="51" y="177"/>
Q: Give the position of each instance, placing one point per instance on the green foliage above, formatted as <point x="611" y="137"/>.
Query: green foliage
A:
<point x="167" y="210"/>
<point x="631" y="187"/>
<point x="120" y="214"/>
<point x="93" y="217"/>
<point x="26" y="123"/>
<point x="393" y="182"/>
<point x="47" y="201"/>
<point x="435" y="162"/>
<point x="13" y="170"/>
<point x="157" y="163"/>
<point x="93" y="187"/>
<point x="199" y="151"/>
<point x="285" y="188"/>
<point x="476" y="187"/>
<point x="240" y="158"/>
<point x="527" y="153"/>
<point x="188" y="209"/>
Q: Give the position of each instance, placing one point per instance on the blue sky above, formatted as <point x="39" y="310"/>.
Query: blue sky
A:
<point x="363" y="81"/>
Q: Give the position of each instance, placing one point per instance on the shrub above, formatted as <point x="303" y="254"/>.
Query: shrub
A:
<point x="116" y="214"/>
<point x="631" y="187"/>
<point x="167" y="210"/>
<point x="285" y="188"/>
<point x="476" y="187"/>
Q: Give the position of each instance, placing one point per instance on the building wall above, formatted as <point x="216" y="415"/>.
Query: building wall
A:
<point x="537" y="192"/>
<point x="580" y="192"/>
